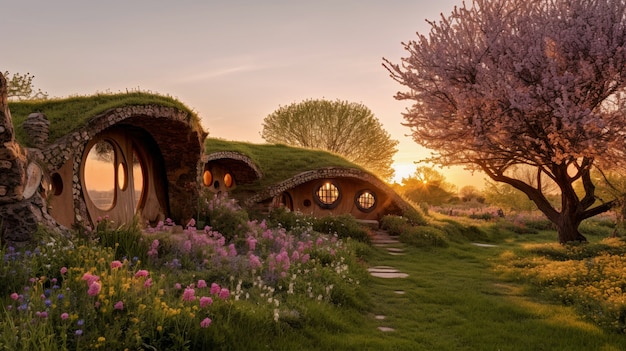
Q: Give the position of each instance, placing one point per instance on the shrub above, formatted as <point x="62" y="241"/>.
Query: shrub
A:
<point x="226" y="216"/>
<point x="394" y="225"/>
<point x="345" y="226"/>
<point x="423" y="236"/>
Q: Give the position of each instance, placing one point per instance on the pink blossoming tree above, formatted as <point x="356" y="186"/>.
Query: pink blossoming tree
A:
<point x="534" y="84"/>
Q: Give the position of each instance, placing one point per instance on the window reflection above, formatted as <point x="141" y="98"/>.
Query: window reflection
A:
<point x="137" y="178"/>
<point x="100" y="175"/>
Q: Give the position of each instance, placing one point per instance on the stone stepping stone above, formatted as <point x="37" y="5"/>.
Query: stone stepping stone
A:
<point x="400" y="292"/>
<point x="484" y="245"/>
<point x="380" y="317"/>
<point x="395" y="251"/>
<point x="386" y="272"/>
<point x="386" y="329"/>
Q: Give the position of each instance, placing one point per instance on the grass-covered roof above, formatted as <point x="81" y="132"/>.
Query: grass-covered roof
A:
<point x="69" y="114"/>
<point x="279" y="162"/>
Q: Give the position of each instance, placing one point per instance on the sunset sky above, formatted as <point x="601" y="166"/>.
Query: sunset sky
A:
<point x="233" y="62"/>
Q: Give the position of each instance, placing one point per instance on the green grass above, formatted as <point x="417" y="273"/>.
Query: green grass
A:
<point x="455" y="300"/>
<point x="68" y="114"/>
<point x="279" y="162"/>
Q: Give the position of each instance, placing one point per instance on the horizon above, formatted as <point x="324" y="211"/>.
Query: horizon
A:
<point x="232" y="63"/>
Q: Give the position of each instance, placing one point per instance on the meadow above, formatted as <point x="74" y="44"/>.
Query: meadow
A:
<point x="290" y="282"/>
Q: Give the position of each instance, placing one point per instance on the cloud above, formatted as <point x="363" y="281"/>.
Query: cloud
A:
<point x="219" y="72"/>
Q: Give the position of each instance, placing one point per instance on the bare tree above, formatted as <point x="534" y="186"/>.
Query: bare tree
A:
<point x="21" y="87"/>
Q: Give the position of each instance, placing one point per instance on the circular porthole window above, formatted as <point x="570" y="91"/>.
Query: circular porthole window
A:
<point x="365" y="200"/>
<point x="327" y="195"/>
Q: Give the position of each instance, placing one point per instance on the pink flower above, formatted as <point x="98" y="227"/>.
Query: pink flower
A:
<point x="63" y="270"/>
<point x="254" y="262"/>
<point x="65" y="316"/>
<point x="205" y="323"/>
<point x="177" y="286"/>
<point x="201" y="284"/>
<point x="94" y="289"/>
<point x="15" y="296"/>
<point x="189" y="294"/>
<point x="119" y="305"/>
<point x="147" y="283"/>
<point x="215" y="289"/>
<point x="90" y="278"/>
<point x="232" y="251"/>
<point x="141" y="273"/>
<point x="205" y="301"/>
<point x="251" y="243"/>
<point x="116" y="264"/>
<point x="224" y="294"/>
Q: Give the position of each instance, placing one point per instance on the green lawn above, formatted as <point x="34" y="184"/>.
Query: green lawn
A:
<point x="455" y="300"/>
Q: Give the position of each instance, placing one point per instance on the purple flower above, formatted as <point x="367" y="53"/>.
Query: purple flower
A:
<point x="79" y="332"/>
<point x="119" y="305"/>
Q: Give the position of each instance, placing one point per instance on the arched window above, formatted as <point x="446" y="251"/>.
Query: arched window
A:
<point x="365" y="200"/>
<point x="327" y="195"/>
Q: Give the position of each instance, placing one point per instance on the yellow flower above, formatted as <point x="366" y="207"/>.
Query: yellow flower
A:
<point x="102" y="339"/>
<point x="159" y="328"/>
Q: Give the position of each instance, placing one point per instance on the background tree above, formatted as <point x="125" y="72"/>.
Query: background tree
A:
<point x="21" y="87"/>
<point x="427" y="185"/>
<point x="345" y="128"/>
<point x="505" y="83"/>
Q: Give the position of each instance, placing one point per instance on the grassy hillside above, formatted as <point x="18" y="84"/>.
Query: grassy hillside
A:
<point x="68" y="114"/>
<point x="279" y="162"/>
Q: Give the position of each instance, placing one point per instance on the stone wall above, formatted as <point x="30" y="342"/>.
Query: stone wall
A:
<point x="22" y="204"/>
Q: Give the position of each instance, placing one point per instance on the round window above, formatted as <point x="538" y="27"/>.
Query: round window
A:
<point x="327" y="195"/>
<point x="365" y="200"/>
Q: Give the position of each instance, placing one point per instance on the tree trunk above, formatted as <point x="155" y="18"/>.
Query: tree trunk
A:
<point x="567" y="229"/>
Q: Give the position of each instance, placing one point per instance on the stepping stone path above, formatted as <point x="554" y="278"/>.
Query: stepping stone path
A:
<point x="383" y="240"/>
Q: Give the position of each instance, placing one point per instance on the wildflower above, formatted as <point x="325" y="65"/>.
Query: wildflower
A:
<point x="101" y="339"/>
<point x="254" y="261"/>
<point x="147" y="283"/>
<point x="90" y="278"/>
<point x="159" y="328"/>
<point x="141" y="273"/>
<point x="116" y="264"/>
<point x="79" y="332"/>
<point x="215" y="289"/>
<point x="177" y="286"/>
<point x="205" y="301"/>
<point x="201" y="284"/>
<point x="60" y="297"/>
<point x="119" y="305"/>
<point x="80" y="322"/>
<point x="189" y="294"/>
<point x="94" y="289"/>
<point x="15" y="296"/>
<point x="48" y="303"/>
<point x="205" y="323"/>
<point x="42" y="314"/>
<point x="63" y="270"/>
<point x="64" y="316"/>
<point x="224" y="294"/>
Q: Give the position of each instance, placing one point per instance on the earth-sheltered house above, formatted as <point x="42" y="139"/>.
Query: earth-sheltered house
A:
<point x="146" y="156"/>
